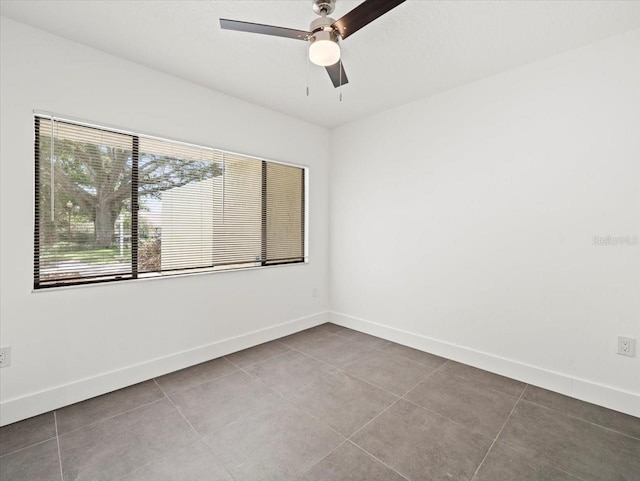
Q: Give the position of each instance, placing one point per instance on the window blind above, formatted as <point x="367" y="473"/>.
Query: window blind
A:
<point x="284" y="213"/>
<point x="113" y="205"/>
<point x="83" y="203"/>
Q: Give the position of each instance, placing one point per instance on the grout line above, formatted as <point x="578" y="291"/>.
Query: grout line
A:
<point x="385" y="409"/>
<point x="405" y="358"/>
<point x="372" y="384"/>
<point x="331" y="334"/>
<point x="381" y="349"/>
<point x="435" y="413"/>
<point x="198" y="440"/>
<point x="110" y="417"/>
<point x="278" y="341"/>
<point x="325" y="457"/>
<point x="292" y="394"/>
<point x="218" y="461"/>
<point x="371" y="351"/>
<point x="257" y="378"/>
<point x="583" y="420"/>
<point x="498" y="435"/>
<point x="251" y="412"/>
<point x="427" y="376"/>
<point x="442" y="416"/>
<point x="241" y="369"/>
<point x="55" y="420"/>
<point x="473" y="379"/>
<point x="27" y="447"/>
<point x="364" y="343"/>
<point x="373" y="419"/>
<point x="332" y="366"/>
<point x="444" y="359"/>
<point x="262" y="360"/>
<point x="189" y="388"/>
<point x="540" y="463"/>
<point x="315" y="358"/>
<point x="155" y="460"/>
<point x="177" y="409"/>
<point x="341" y="370"/>
<point x="346" y="335"/>
<point x="350" y="438"/>
<point x="324" y="423"/>
<point x="377" y="459"/>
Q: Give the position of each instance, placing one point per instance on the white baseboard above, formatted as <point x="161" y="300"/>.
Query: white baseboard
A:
<point x="582" y="389"/>
<point x="16" y="409"/>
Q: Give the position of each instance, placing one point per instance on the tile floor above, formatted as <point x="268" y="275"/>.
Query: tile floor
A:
<point x="326" y="404"/>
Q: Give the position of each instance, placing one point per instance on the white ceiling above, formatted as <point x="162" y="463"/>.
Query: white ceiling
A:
<point x="419" y="48"/>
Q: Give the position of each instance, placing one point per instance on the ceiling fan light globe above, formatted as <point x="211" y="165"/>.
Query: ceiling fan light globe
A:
<point x="324" y="52"/>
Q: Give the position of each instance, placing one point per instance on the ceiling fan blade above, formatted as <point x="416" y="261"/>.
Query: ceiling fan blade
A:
<point x="337" y="74"/>
<point x="362" y="15"/>
<point x="263" y="29"/>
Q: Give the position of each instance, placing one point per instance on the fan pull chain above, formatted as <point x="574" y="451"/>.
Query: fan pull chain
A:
<point x="340" y="79"/>
<point x="307" y="73"/>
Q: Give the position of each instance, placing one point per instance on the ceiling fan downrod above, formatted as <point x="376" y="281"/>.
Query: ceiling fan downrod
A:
<point x="324" y="7"/>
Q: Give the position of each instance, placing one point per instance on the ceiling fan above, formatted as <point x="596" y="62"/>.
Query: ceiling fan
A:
<point x="324" y="33"/>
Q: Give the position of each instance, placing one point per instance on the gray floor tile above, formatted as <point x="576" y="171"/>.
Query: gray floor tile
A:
<point x="211" y="405"/>
<point x="105" y="406"/>
<point x="289" y="372"/>
<point x="589" y="412"/>
<point x="194" y="375"/>
<point x="275" y="445"/>
<point x="251" y="432"/>
<point x="371" y="341"/>
<point x="393" y="373"/>
<point x="302" y="338"/>
<point x="501" y="383"/>
<point x="194" y="462"/>
<point x="119" y="445"/>
<point x="421" y="445"/>
<point x="39" y="462"/>
<point x="343" y="402"/>
<point x="475" y="405"/>
<point x="258" y="353"/>
<point x="505" y="464"/>
<point x="25" y="433"/>
<point x="336" y="350"/>
<point x="350" y="463"/>
<point x="334" y="328"/>
<point x="415" y="355"/>
<point x="575" y="446"/>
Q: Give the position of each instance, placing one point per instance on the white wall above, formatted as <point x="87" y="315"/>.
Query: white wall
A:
<point x="74" y="343"/>
<point x="463" y="222"/>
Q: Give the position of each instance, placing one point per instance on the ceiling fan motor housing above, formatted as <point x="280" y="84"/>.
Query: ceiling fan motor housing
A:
<point x="322" y="24"/>
<point x="321" y="29"/>
<point x="324" y="7"/>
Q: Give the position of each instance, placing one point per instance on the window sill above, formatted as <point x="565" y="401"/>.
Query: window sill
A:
<point x="156" y="277"/>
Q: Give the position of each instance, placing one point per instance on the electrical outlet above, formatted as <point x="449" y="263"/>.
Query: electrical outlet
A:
<point x="627" y="346"/>
<point x="5" y="356"/>
<point x="314" y="292"/>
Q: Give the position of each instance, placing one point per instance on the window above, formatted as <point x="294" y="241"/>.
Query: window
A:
<point x="111" y="205"/>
